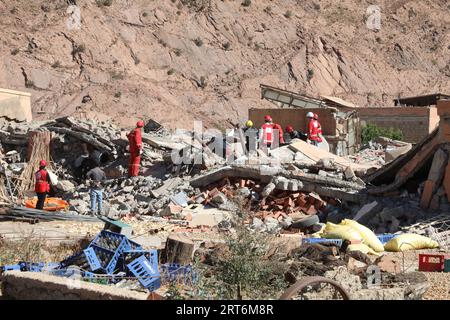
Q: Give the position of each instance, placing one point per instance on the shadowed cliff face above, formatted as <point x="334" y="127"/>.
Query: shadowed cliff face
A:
<point x="179" y="61"/>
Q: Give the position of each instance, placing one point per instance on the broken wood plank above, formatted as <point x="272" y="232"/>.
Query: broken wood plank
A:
<point x="446" y="182"/>
<point x="437" y="169"/>
<point x="409" y="168"/>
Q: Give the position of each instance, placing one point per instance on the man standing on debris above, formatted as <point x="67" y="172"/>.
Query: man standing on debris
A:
<point x="96" y="177"/>
<point x="135" y="139"/>
<point x="251" y="136"/>
<point x="314" y="129"/>
<point x="42" y="186"/>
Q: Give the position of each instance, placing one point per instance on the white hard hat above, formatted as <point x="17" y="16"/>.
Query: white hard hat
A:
<point x="310" y="115"/>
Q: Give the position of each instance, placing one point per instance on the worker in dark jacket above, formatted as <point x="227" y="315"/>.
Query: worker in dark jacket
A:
<point x="42" y="186"/>
<point x="96" y="178"/>
<point x="295" y="134"/>
<point x="251" y="136"/>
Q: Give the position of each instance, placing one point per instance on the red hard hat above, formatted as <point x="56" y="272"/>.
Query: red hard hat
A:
<point x="140" y="124"/>
<point x="316" y="116"/>
<point x="42" y="163"/>
<point x="267" y="118"/>
<point x="289" y="129"/>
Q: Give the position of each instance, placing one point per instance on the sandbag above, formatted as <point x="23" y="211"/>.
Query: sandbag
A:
<point x="336" y="231"/>
<point x="409" y="241"/>
<point x="367" y="235"/>
<point x="363" y="248"/>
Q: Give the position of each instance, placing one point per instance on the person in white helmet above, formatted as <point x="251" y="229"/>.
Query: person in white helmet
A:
<point x="314" y="129"/>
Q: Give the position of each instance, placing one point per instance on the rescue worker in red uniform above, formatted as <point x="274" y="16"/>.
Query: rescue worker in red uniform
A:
<point x="314" y="129"/>
<point x="135" y="139"/>
<point x="42" y="186"/>
<point x="276" y="126"/>
<point x="266" y="133"/>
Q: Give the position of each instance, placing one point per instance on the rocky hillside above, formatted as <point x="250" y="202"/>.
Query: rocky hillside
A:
<point x="180" y="60"/>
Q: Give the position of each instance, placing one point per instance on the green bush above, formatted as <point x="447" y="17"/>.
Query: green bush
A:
<point x="372" y="131"/>
<point x="104" y="3"/>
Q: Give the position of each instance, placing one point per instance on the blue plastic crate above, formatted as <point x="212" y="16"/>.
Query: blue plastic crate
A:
<point x="337" y="242"/>
<point x="34" y="267"/>
<point x="76" y="259"/>
<point x="11" y="267"/>
<point x="110" y="240"/>
<point x="385" y="238"/>
<point x="144" y="271"/>
<point x="173" y="271"/>
<point x="134" y="245"/>
<point x="151" y="255"/>
<point x="92" y="259"/>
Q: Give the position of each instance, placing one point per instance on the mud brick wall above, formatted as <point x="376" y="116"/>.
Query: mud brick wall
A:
<point x="295" y="118"/>
<point x="443" y="107"/>
<point x="415" y="122"/>
<point x="15" y="105"/>
<point x="18" y="285"/>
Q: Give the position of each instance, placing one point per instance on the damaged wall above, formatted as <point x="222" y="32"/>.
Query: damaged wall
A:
<point x="416" y="123"/>
<point x="15" y="105"/>
<point x="340" y="128"/>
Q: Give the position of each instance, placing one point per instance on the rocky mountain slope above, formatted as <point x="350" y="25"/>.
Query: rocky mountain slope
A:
<point x="180" y="60"/>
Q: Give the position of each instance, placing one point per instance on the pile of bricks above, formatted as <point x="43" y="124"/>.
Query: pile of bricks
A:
<point x="277" y="205"/>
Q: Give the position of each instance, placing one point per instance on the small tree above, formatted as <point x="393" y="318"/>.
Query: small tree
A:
<point x="372" y="131"/>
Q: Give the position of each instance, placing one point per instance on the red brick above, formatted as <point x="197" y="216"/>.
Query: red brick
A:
<point x="427" y="194"/>
<point x="288" y="202"/>
<point x="301" y="202"/>
<point x="443" y="108"/>
<point x="242" y="183"/>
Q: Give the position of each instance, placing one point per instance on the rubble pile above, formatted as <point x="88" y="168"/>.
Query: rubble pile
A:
<point x="380" y="151"/>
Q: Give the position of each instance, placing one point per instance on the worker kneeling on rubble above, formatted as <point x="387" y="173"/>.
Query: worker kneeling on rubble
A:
<point x="295" y="134"/>
<point x="135" y="140"/>
<point x="42" y="186"/>
<point x="314" y="129"/>
<point x="96" y="178"/>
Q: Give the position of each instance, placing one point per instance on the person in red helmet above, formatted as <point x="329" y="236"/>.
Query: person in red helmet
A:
<point x="135" y="139"/>
<point x="295" y="134"/>
<point x="42" y="186"/>
<point x="314" y="129"/>
<point x="266" y="133"/>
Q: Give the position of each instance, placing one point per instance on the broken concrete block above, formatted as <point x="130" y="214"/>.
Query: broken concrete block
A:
<point x="219" y="198"/>
<point x="392" y="153"/>
<point x="367" y="212"/>
<point x="349" y="174"/>
<point x="388" y="263"/>
<point x="268" y="190"/>
<point x="65" y="186"/>
<point x="171" y="210"/>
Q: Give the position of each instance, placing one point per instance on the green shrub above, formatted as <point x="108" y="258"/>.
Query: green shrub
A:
<point x="372" y="131"/>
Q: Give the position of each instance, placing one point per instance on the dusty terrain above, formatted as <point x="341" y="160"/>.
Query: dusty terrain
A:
<point x="176" y="61"/>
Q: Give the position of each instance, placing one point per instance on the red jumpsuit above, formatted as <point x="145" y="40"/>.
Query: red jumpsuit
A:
<point x="314" y="129"/>
<point x="135" y="139"/>
<point x="276" y="126"/>
<point x="267" y="134"/>
<point x="42" y="187"/>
